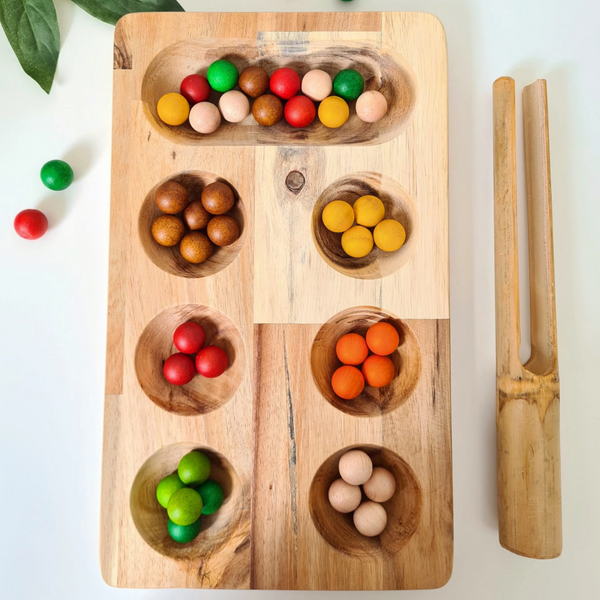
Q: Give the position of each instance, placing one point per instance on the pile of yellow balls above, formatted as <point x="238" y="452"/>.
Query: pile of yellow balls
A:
<point x="371" y="227"/>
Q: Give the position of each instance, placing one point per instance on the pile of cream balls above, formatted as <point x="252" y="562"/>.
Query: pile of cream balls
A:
<point x="378" y="485"/>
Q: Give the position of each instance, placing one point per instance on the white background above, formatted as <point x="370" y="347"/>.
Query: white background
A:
<point x="53" y="298"/>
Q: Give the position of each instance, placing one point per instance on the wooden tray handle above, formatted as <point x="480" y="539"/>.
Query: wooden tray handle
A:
<point x="527" y="417"/>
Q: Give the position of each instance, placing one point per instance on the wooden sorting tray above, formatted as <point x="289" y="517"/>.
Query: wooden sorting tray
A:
<point x="279" y="298"/>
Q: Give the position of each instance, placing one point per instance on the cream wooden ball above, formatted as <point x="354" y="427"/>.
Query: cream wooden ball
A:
<point x="381" y="485"/>
<point x="343" y="496"/>
<point x="370" y="519"/>
<point x="355" y="467"/>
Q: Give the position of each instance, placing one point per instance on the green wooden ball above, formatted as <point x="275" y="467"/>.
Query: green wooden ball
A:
<point x="183" y="534"/>
<point x="194" y="468"/>
<point x="348" y="84"/>
<point x="167" y="487"/>
<point x="212" y="496"/>
<point x="222" y="75"/>
<point x="185" y="506"/>
<point x="57" y="175"/>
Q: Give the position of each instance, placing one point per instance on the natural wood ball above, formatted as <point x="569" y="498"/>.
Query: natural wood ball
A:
<point x="370" y="519"/>
<point x="171" y="197"/>
<point x="254" y="81"/>
<point x="344" y="497"/>
<point x="381" y="486"/>
<point x="267" y="110"/>
<point x="168" y="230"/>
<point x="195" y="247"/>
<point x="355" y="467"/>
<point x="196" y="216"/>
<point x="223" y="230"/>
<point x="205" y="117"/>
<point x="234" y="106"/>
<point x="217" y="198"/>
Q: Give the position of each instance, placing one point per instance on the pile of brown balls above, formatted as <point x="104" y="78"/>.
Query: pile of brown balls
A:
<point x="197" y="225"/>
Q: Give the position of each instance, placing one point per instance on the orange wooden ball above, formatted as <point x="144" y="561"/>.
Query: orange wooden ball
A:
<point x="352" y="349"/>
<point x="382" y="338"/>
<point x="378" y="371"/>
<point x="348" y="382"/>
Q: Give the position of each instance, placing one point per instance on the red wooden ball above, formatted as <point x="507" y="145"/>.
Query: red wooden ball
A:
<point x="179" y="369"/>
<point x="211" y="361"/>
<point x="285" y="83"/>
<point x="31" y="224"/>
<point x="195" y="88"/>
<point x="189" y="337"/>
<point x="300" y="111"/>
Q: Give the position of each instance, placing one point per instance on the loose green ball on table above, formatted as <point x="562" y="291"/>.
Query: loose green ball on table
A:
<point x="167" y="487"/>
<point x="185" y="506"/>
<point x="57" y="175"/>
<point x="348" y="84"/>
<point x="194" y="468"/>
<point x="222" y="75"/>
<point x="212" y="496"/>
<point x="183" y="534"/>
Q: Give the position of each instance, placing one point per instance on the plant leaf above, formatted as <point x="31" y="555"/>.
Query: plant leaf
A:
<point x="110" y="11"/>
<point x="32" y="30"/>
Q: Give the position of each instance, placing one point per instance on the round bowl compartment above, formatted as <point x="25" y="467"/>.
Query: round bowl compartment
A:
<point x="372" y="402"/>
<point x="169" y="259"/>
<point x="403" y="509"/>
<point x="151" y="519"/>
<point x="382" y="68"/>
<point x="398" y="205"/>
<point x="201" y="395"/>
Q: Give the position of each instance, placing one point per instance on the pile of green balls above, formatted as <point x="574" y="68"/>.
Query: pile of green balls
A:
<point x="187" y="495"/>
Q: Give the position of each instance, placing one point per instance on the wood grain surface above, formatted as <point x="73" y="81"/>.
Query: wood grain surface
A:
<point x="270" y="434"/>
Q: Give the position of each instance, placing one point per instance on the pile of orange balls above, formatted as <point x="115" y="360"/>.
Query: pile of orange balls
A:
<point x="377" y="371"/>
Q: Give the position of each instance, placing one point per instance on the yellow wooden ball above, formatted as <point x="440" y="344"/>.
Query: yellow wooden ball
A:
<point x="357" y="241"/>
<point x="338" y="216"/>
<point x="389" y="235"/>
<point x="333" y="112"/>
<point x="368" y="210"/>
<point x="173" y="109"/>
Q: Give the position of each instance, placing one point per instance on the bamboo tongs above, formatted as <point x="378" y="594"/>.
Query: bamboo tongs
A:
<point x="527" y="411"/>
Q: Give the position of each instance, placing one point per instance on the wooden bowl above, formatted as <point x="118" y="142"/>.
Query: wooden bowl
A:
<point x="398" y="205"/>
<point x="403" y="508"/>
<point x="151" y="519"/>
<point x="201" y="395"/>
<point x="170" y="259"/>
<point x="372" y="402"/>
<point x="382" y="68"/>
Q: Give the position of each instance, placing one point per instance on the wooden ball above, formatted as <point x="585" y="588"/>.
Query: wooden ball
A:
<point x="267" y="110"/>
<point x="254" y="81"/>
<point x="195" y="247"/>
<point x="381" y="486"/>
<point x="217" y="198"/>
<point x="223" y="230"/>
<point x="168" y="230"/>
<point x="234" y="106"/>
<point x="371" y="106"/>
<point x="196" y="216"/>
<point x="344" y="497"/>
<point x="171" y="197"/>
<point x="370" y="519"/>
<point x="205" y="117"/>
<point x="317" y="85"/>
<point x="355" y="467"/>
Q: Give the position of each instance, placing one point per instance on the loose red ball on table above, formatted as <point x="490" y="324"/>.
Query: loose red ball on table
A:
<point x="285" y="83"/>
<point x="211" y="362"/>
<point x="189" y="337"/>
<point x="300" y="111"/>
<point x="179" y="369"/>
<point x="31" y="224"/>
<point x="195" y="88"/>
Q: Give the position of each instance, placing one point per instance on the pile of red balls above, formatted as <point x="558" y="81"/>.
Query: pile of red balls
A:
<point x="193" y="357"/>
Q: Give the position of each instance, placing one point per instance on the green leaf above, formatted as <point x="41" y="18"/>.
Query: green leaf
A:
<point x="110" y="11"/>
<point x="32" y="30"/>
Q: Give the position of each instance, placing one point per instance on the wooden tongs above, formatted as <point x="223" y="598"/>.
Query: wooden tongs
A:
<point x="527" y="411"/>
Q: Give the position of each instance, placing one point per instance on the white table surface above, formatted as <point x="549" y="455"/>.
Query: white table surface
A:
<point x="53" y="299"/>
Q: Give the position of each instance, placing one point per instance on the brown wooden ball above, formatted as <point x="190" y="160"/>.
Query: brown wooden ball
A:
<point x="254" y="81"/>
<point x="171" y="197"/>
<point x="195" y="247"/>
<point x="217" y="198"/>
<point x="196" y="216"/>
<point x="223" y="230"/>
<point x="168" y="230"/>
<point x="267" y="110"/>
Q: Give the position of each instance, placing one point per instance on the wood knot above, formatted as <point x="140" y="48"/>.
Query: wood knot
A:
<point x="295" y="181"/>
